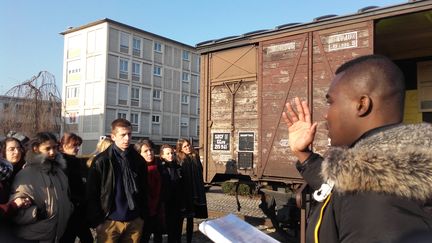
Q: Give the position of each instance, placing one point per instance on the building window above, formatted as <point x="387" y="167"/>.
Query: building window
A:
<point x="156" y="119"/>
<point x="185" y="99"/>
<point x="135" y="96"/>
<point x="134" y="120"/>
<point x="186" y="55"/>
<point x="122" y="114"/>
<point x="184" y="122"/>
<point x="156" y="94"/>
<point x="72" y="117"/>
<point x="136" y="71"/>
<point x="123" y="94"/>
<point x="157" y="47"/>
<point x="185" y="77"/>
<point x="124" y="68"/>
<point x="157" y="70"/>
<point x="124" y="42"/>
<point x="72" y="92"/>
<point x="136" y="45"/>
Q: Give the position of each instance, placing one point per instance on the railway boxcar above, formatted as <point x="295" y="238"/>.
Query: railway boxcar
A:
<point x="247" y="79"/>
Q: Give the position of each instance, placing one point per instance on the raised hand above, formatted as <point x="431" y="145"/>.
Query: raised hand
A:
<point x="301" y="130"/>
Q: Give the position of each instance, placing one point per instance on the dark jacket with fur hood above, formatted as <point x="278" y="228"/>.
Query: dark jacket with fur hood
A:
<point x="380" y="186"/>
<point x="43" y="181"/>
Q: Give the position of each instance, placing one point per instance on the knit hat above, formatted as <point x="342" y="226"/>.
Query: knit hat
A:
<point x="6" y="169"/>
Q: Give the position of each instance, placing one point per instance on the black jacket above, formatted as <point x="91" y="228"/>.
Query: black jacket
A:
<point x="380" y="187"/>
<point x="76" y="184"/>
<point x="100" y="185"/>
<point x="172" y="185"/>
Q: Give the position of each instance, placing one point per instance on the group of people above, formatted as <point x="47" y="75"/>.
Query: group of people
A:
<point x="123" y="191"/>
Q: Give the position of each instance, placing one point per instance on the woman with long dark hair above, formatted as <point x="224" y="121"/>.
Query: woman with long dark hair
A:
<point x="194" y="191"/>
<point x="13" y="151"/>
<point x="44" y="182"/>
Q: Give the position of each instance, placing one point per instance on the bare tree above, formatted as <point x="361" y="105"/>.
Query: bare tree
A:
<point x="33" y="106"/>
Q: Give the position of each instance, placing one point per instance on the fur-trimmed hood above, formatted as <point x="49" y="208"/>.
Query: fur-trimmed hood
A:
<point x="396" y="161"/>
<point x="36" y="159"/>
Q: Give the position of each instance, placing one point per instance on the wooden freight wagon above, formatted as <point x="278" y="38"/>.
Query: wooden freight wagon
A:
<point x="247" y="79"/>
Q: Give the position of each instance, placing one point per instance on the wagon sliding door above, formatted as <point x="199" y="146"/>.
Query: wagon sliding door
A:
<point x="289" y="69"/>
<point x="232" y="109"/>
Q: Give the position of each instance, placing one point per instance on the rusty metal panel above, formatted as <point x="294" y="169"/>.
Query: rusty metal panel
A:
<point x="233" y="64"/>
<point x="230" y="107"/>
<point x="245" y="119"/>
<point x="284" y="76"/>
<point x="333" y="47"/>
<point x="290" y="69"/>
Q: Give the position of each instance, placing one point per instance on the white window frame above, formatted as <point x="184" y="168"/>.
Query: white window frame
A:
<point x="123" y="68"/>
<point x="185" y="99"/>
<point x="135" y="95"/>
<point x="156" y="119"/>
<point x="122" y="114"/>
<point x="157" y="70"/>
<point x="157" y="47"/>
<point x="186" y="55"/>
<point x="136" y="46"/>
<point x="135" y="121"/>
<point x="157" y="94"/>
<point x="124" y="42"/>
<point x="185" y="77"/>
<point x="123" y="88"/>
<point x="72" y="92"/>
<point x="136" y="71"/>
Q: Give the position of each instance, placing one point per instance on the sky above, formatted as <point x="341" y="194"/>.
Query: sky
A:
<point x="30" y="41"/>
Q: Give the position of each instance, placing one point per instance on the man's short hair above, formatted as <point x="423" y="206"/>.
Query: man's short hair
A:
<point x="120" y="122"/>
<point x="380" y="74"/>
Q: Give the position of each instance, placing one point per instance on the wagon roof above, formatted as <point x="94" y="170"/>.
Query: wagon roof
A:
<point x="363" y="14"/>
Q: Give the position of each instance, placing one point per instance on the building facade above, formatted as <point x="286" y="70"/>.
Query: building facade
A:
<point x="112" y="70"/>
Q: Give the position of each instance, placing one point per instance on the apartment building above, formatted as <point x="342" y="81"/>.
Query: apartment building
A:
<point x="112" y="70"/>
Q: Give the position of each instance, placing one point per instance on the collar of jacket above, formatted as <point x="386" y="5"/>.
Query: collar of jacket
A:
<point x="395" y="161"/>
<point x="36" y="159"/>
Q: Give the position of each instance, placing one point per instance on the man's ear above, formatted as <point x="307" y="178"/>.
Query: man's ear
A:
<point x="35" y="149"/>
<point x="364" y="105"/>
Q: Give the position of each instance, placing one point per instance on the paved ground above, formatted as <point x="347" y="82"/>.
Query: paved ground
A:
<point x="220" y="204"/>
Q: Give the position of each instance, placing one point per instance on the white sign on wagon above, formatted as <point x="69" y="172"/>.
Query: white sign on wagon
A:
<point x="342" y="41"/>
<point x="281" y="47"/>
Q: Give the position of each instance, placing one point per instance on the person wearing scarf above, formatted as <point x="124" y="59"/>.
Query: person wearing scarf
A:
<point x="117" y="189"/>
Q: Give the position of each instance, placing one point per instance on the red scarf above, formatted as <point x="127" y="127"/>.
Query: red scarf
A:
<point x="154" y="183"/>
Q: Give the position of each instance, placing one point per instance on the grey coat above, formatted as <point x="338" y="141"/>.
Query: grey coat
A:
<point x="44" y="182"/>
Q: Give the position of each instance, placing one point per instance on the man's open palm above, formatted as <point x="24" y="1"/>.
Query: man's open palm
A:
<point x="301" y="131"/>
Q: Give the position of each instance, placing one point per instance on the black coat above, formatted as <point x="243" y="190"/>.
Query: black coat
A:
<point x="194" y="191"/>
<point x="172" y="185"/>
<point x="380" y="186"/>
<point x="100" y="184"/>
<point x="76" y="183"/>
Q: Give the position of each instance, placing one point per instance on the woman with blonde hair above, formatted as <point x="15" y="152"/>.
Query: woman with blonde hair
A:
<point x="194" y="191"/>
<point x="102" y="145"/>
